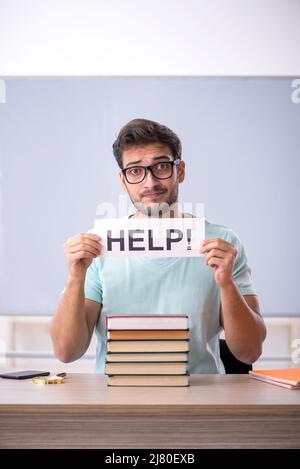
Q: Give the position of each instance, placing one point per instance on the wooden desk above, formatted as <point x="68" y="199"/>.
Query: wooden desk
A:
<point x="216" y="411"/>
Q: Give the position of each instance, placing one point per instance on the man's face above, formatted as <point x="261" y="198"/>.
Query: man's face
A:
<point x="152" y="193"/>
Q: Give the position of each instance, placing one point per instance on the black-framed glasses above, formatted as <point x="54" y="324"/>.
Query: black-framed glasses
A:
<point x="161" y="170"/>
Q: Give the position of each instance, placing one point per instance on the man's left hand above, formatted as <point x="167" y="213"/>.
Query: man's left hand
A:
<point x="220" y="256"/>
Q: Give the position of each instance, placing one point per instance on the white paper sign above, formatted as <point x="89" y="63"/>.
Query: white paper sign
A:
<point x="151" y="237"/>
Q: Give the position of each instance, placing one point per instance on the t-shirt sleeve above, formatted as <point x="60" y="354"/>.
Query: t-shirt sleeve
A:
<point x="241" y="269"/>
<point x="92" y="284"/>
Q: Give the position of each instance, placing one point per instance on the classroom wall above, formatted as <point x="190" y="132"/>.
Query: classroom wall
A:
<point x="241" y="146"/>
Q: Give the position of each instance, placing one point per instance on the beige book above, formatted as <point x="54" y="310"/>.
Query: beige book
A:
<point x="146" y="368"/>
<point x="147" y="334"/>
<point x="147" y="357"/>
<point x="134" y="380"/>
<point x="147" y="321"/>
<point x="148" y="346"/>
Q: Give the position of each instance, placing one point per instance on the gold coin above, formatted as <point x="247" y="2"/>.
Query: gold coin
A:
<point x="48" y="380"/>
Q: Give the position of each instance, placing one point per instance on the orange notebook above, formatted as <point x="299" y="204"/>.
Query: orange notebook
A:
<point x="285" y="375"/>
<point x="276" y="383"/>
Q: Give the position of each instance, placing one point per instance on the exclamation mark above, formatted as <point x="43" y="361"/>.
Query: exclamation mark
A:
<point x="189" y="236"/>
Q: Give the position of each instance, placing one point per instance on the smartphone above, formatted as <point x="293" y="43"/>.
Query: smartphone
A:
<point x="24" y="374"/>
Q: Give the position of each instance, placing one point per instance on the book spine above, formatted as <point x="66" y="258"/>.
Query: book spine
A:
<point x="148" y="374"/>
<point x="147" y="315"/>
<point x="148" y="340"/>
<point x="172" y="351"/>
<point x="162" y="361"/>
<point x="163" y="330"/>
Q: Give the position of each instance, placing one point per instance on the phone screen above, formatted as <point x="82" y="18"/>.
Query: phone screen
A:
<point x="24" y="374"/>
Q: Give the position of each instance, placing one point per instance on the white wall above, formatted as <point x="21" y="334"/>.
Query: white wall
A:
<point x="141" y="37"/>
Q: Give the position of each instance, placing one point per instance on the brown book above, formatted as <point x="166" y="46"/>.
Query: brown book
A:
<point x="146" y="368"/>
<point x="133" y="380"/>
<point x="147" y="357"/>
<point x="147" y="334"/>
<point x="148" y="346"/>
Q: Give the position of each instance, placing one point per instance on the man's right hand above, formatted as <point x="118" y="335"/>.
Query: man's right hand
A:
<point x="80" y="250"/>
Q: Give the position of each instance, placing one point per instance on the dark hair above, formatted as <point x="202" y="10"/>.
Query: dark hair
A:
<point x="142" y="132"/>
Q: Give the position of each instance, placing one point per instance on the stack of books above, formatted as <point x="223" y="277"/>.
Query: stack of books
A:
<point x="147" y="350"/>
<point x="286" y="377"/>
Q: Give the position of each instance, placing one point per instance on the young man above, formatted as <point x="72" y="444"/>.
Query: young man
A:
<point x="215" y="290"/>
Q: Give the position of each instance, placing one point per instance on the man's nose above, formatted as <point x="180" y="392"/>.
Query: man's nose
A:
<point x="150" y="180"/>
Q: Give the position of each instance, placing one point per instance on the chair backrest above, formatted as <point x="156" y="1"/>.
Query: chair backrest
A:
<point x="231" y="363"/>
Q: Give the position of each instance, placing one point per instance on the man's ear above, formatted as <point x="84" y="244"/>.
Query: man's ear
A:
<point x="122" y="178"/>
<point x="181" y="171"/>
